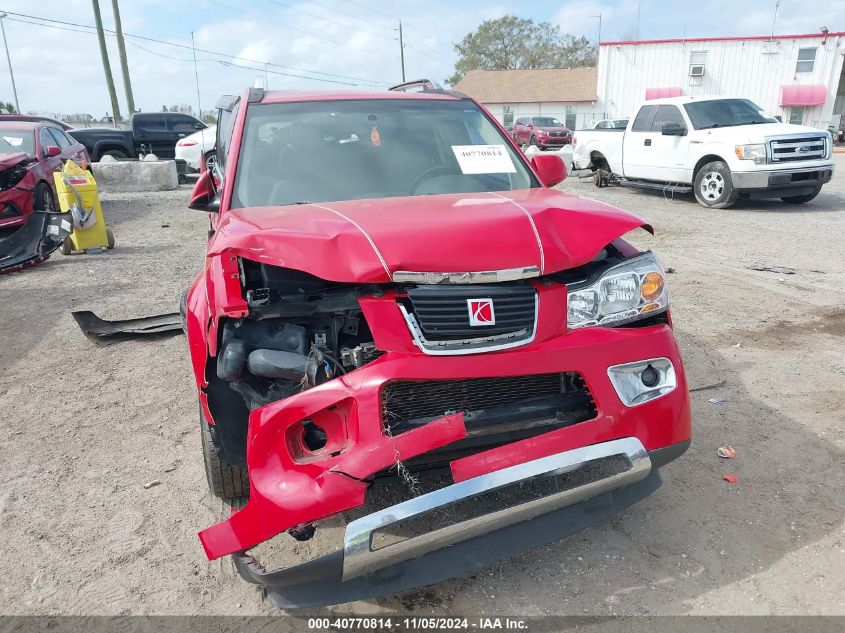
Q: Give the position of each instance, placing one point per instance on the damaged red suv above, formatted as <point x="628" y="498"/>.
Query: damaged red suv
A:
<point x="392" y="289"/>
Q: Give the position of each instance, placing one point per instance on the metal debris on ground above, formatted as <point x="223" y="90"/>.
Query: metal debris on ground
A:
<point x="717" y="400"/>
<point x="780" y="270"/>
<point x="726" y="452"/>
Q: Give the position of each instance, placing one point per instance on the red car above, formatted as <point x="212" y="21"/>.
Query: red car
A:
<point x="30" y="152"/>
<point x="542" y="131"/>
<point x="393" y="293"/>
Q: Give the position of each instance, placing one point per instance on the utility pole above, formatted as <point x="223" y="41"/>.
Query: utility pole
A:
<point x="598" y="42"/>
<point x="124" y="66"/>
<point x="9" y="59"/>
<point x="196" y="76"/>
<point x="104" y="53"/>
<point x="402" y="51"/>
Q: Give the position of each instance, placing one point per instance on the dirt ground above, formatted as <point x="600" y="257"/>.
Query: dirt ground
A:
<point x="84" y="427"/>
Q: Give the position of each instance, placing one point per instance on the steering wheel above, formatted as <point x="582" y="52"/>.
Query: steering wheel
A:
<point x="432" y="172"/>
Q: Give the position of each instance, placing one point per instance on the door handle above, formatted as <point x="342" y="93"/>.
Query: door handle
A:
<point x="647" y="142"/>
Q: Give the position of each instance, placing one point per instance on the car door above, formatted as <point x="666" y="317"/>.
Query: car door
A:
<point x="666" y="158"/>
<point x="517" y="129"/>
<point x="182" y="125"/>
<point x="153" y="135"/>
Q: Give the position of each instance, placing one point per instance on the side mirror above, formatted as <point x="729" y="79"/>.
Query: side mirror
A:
<point x="204" y="196"/>
<point x="550" y="168"/>
<point x="52" y="151"/>
<point x="673" y="129"/>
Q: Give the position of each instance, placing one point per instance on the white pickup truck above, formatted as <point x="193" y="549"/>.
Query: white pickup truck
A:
<point x="722" y="148"/>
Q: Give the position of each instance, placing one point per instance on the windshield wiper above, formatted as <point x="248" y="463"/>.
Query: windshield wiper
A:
<point x="710" y="127"/>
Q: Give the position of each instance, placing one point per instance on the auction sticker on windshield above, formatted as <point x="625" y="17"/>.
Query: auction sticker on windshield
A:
<point x="484" y="159"/>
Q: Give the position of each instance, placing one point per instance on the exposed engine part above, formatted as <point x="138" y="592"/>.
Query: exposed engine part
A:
<point x="271" y="363"/>
<point x="303" y="532"/>
<point x="359" y="355"/>
<point x="11" y="177"/>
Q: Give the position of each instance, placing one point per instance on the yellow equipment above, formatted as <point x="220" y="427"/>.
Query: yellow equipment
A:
<point x="78" y="195"/>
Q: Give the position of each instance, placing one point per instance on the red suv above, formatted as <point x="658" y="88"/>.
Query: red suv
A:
<point x="402" y="327"/>
<point x="542" y="131"/>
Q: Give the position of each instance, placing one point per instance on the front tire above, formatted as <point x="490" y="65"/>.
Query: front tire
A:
<point x="802" y="199"/>
<point x="714" y="187"/>
<point x="43" y="199"/>
<point x="227" y="481"/>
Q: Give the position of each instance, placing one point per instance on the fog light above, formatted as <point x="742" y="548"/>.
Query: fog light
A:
<point x="641" y="381"/>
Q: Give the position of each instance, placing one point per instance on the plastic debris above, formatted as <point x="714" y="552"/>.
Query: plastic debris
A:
<point x="150" y="484"/>
<point x="726" y="452"/>
<point x="717" y="400"/>
<point x="731" y="479"/>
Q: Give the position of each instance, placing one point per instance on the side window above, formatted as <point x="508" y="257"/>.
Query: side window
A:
<point x="46" y="140"/>
<point x="806" y="60"/>
<point x="644" y="118"/>
<point x="184" y="124"/>
<point x="667" y="114"/>
<point x="602" y="125"/>
<point x="225" y="127"/>
<point x="60" y="138"/>
<point x="152" y="124"/>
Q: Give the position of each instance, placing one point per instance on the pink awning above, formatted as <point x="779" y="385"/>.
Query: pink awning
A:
<point x="803" y="95"/>
<point x="659" y="93"/>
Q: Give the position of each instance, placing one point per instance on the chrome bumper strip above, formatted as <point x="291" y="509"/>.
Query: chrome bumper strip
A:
<point x="360" y="558"/>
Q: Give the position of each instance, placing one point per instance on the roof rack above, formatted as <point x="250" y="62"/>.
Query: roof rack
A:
<point x="425" y="85"/>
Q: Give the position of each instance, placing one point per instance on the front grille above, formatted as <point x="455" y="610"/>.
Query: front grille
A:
<point x="557" y="134"/>
<point x="794" y="149"/>
<point x="490" y="405"/>
<point x="443" y="312"/>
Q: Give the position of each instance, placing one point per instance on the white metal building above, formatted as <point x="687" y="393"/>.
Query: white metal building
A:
<point x="797" y="77"/>
<point x="568" y="94"/>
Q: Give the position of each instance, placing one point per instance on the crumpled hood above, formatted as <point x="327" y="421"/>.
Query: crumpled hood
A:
<point x="10" y="160"/>
<point x="366" y="241"/>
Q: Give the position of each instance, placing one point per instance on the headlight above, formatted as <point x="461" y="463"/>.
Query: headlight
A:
<point x="756" y="152"/>
<point x="626" y="292"/>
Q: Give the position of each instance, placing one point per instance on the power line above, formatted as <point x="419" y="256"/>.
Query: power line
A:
<point x="263" y="18"/>
<point x="325" y="19"/>
<point x="64" y="26"/>
<point x="356" y="17"/>
<point x="393" y="17"/>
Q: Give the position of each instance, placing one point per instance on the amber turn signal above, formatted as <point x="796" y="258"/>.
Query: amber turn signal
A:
<point x="652" y="286"/>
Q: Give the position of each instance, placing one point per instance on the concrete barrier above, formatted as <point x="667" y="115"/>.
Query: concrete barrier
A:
<point x="132" y="175"/>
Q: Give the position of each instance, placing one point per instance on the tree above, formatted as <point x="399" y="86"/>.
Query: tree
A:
<point x="8" y="107"/>
<point x="511" y="42"/>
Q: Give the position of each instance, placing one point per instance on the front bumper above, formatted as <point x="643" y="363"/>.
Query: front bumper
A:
<point x="15" y="207"/>
<point x="289" y="488"/>
<point x="783" y="181"/>
<point x="358" y="571"/>
<point x="557" y="141"/>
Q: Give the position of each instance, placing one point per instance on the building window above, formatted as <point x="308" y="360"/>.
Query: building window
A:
<point x="806" y="60"/>
<point x="697" y="62"/>
<point x="571" y="117"/>
<point x="507" y="115"/>
<point x="796" y="115"/>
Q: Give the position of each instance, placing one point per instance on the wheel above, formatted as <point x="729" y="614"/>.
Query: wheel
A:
<point x="230" y="483"/>
<point x="533" y="140"/>
<point x="114" y="153"/>
<point x="802" y="199"/>
<point x="66" y="248"/>
<point x="43" y="199"/>
<point x="109" y="239"/>
<point x="210" y="160"/>
<point x="713" y="186"/>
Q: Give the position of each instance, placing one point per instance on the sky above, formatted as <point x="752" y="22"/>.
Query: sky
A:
<point x="329" y="44"/>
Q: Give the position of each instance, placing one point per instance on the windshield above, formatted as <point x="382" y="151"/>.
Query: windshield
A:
<point x="725" y="113"/>
<point x="547" y="121"/>
<point x="325" y="151"/>
<point x="14" y="141"/>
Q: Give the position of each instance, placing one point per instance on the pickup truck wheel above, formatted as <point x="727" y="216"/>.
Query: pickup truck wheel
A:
<point x="227" y="481"/>
<point x="114" y="153"/>
<point x="802" y="199"/>
<point x="713" y="186"/>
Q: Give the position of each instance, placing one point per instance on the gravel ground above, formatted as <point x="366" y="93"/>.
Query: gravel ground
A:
<point x="86" y="426"/>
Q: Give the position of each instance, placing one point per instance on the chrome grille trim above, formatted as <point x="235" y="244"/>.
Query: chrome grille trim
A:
<point x="478" y="277"/>
<point x="797" y="147"/>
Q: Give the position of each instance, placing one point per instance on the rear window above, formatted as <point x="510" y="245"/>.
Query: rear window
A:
<point x="16" y="141"/>
<point x="642" y="122"/>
